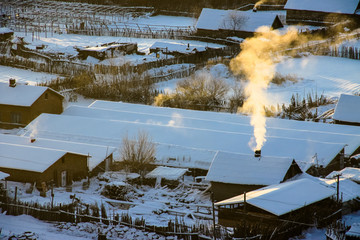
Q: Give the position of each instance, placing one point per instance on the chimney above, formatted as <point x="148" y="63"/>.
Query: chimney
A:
<point x="32" y="140"/>
<point x="258" y="153"/>
<point x="254" y="9"/>
<point x="12" y="82"/>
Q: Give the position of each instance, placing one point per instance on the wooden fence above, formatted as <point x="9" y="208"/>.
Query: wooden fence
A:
<point x="72" y="215"/>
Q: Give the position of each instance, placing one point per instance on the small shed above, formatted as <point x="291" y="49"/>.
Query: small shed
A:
<point x="167" y="175"/>
<point x="20" y="104"/>
<point x="108" y="50"/>
<point x="41" y="165"/>
<point x="243" y="24"/>
<point x="278" y="208"/>
<point x="347" y="110"/>
<point x="176" y="49"/>
<point x="354" y="232"/>
<point x="231" y="174"/>
<point x="320" y="12"/>
<point x="6" y="34"/>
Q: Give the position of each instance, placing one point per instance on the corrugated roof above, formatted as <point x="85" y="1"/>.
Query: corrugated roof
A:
<point x="329" y="6"/>
<point x="285" y="197"/>
<point x="347" y="109"/>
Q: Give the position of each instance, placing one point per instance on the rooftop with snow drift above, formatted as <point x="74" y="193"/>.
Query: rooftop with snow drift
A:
<point x="29" y="94"/>
<point x="167" y="173"/>
<point x="284" y="197"/>
<point x="348" y="173"/>
<point x="330" y="6"/>
<point x="247" y="169"/>
<point x="186" y="139"/>
<point x="3" y="175"/>
<point x="326" y="140"/>
<point x="216" y="19"/>
<point x="28" y="158"/>
<point x="97" y="153"/>
<point x="347" y="109"/>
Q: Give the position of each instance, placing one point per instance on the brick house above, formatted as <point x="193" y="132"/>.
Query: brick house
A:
<point x="20" y="104"/>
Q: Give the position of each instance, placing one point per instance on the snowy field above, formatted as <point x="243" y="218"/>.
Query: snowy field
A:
<point x="64" y="43"/>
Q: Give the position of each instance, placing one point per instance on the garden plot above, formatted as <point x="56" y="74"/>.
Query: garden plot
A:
<point x="156" y="205"/>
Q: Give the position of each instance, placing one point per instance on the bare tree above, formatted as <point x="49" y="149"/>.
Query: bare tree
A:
<point x="233" y="21"/>
<point x="138" y="153"/>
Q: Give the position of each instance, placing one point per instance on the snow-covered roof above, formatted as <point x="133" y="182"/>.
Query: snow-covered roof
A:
<point x="97" y="153"/>
<point x="276" y="127"/>
<point x="248" y="170"/>
<point x="28" y="158"/>
<point x="347" y="109"/>
<point x="167" y="173"/>
<point x="348" y="189"/>
<point x="216" y="19"/>
<point x="330" y="6"/>
<point x="285" y="197"/>
<point x="4" y="30"/>
<point x="177" y="47"/>
<point x="225" y="126"/>
<point x="349" y="173"/>
<point x="29" y="94"/>
<point x="354" y="230"/>
<point x="3" y="175"/>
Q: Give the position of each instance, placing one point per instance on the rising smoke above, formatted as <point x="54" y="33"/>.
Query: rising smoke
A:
<point x="256" y="62"/>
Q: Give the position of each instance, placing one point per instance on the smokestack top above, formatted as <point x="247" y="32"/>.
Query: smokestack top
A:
<point x="32" y="140"/>
<point x="12" y="82"/>
<point x="258" y="153"/>
<point x="254" y="9"/>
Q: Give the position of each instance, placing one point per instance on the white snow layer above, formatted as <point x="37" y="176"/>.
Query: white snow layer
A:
<point x="247" y="169"/>
<point x="285" y="197"/>
<point x="331" y="6"/>
<point x="347" y="109"/>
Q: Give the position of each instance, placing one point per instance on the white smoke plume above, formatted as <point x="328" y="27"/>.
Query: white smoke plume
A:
<point x="256" y="62"/>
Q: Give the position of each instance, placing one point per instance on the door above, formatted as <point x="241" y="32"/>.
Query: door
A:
<point x="63" y="178"/>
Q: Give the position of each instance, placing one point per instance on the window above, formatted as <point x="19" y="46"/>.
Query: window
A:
<point x="15" y="117"/>
<point x="46" y="96"/>
<point x="63" y="159"/>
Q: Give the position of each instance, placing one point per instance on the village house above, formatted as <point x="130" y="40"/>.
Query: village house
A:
<point x="321" y="12"/>
<point x="41" y="165"/>
<point x="231" y="174"/>
<point x="20" y="104"/>
<point x="100" y="158"/>
<point x="346" y="110"/>
<point x="278" y="209"/>
<point x="243" y="24"/>
<point x="108" y="50"/>
<point x="168" y="176"/>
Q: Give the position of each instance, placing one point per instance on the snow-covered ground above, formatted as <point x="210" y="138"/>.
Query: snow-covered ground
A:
<point x="24" y="76"/>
